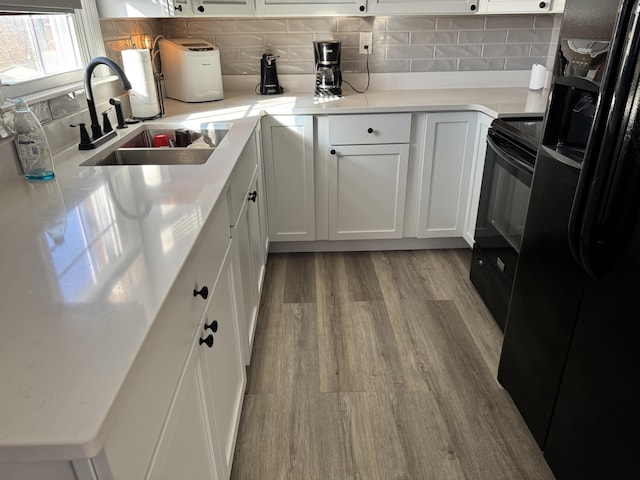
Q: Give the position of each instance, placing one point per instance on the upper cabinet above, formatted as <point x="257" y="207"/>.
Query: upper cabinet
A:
<point x="287" y="8"/>
<point x="310" y="7"/>
<point x="134" y="8"/>
<point x="521" y="6"/>
<point x="387" y="7"/>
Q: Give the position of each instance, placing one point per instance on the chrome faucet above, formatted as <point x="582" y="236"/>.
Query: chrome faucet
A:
<point x="97" y="137"/>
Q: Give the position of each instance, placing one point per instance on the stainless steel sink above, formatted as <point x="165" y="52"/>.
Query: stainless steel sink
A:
<point x="153" y="156"/>
<point x="141" y="149"/>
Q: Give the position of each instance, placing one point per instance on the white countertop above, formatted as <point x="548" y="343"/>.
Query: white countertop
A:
<point x="88" y="259"/>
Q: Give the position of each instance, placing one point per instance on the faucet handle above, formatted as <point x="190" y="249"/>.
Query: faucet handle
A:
<point x="106" y="124"/>
<point x="84" y="134"/>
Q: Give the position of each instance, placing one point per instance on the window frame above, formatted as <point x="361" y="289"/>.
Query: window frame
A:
<point x="90" y="43"/>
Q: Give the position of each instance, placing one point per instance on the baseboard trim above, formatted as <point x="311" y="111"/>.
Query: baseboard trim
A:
<point x="367" y="245"/>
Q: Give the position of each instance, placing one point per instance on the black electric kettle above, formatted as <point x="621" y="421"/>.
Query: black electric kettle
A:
<point x="269" y="84"/>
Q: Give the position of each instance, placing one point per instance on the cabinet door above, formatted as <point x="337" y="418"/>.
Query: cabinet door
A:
<point x="385" y="7"/>
<point x="310" y="7"/>
<point x="244" y="283"/>
<point x="446" y="168"/>
<point x="222" y="367"/>
<point x="186" y="448"/>
<point x="222" y="7"/>
<point x="367" y="185"/>
<point x="477" y="167"/>
<point x="288" y="161"/>
<point x="133" y="8"/>
<point x="521" y="6"/>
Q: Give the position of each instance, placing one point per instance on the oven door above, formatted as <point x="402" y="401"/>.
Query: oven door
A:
<point x="504" y="197"/>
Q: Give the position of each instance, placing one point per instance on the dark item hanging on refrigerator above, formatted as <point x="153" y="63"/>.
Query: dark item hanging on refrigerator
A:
<point x="570" y="354"/>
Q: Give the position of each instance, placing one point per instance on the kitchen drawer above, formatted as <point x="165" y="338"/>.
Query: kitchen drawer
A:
<point x="241" y="178"/>
<point x="369" y="129"/>
<point x="143" y="402"/>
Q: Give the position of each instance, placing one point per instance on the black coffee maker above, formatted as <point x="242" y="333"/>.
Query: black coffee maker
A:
<point x="328" y="74"/>
<point x="269" y="84"/>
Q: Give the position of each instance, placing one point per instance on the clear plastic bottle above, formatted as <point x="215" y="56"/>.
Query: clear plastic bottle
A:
<point x="31" y="144"/>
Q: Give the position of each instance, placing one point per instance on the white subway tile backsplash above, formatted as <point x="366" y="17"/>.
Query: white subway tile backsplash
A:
<point x="460" y="23"/>
<point x="198" y="27"/>
<point x="480" y="64"/>
<point x="434" y="38"/>
<point x="483" y="36"/>
<point x="529" y="36"/>
<point x="410" y="51"/>
<point x="312" y="24"/>
<point x="355" y="24"/>
<point x="458" y="51"/>
<point x="506" y="50"/>
<point x="293" y="39"/>
<point x="401" y="43"/>
<point x="390" y="38"/>
<point x="434" y="65"/>
<point x="510" y="21"/>
<point x="410" y="24"/>
<point x="240" y="40"/>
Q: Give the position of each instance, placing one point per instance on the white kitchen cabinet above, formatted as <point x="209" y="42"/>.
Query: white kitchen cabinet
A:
<point x="136" y="8"/>
<point x="287" y="149"/>
<point x="477" y="168"/>
<point x="445" y="176"/>
<point x="310" y="7"/>
<point x="248" y="234"/>
<point x="521" y="6"/>
<point x="220" y="8"/>
<point x="223" y="372"/>
<point x="186" y="448"/>
<point x="425" y="7"/>
<point x="366" y="175"/>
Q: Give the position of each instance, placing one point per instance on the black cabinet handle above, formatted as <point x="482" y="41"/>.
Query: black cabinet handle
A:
<point x="369" y="130"/>
<point x="543" y="4"/>
<point x="213" y="326"/>
<point x="333" y="152"/>
<point x="252" y="196"/>
<point x="203" y="292"/>
<point x="473" y="7"/>
<point x="201" y="9"/>
<point x="208" y="341"/>
<point x="179" y="8"/>
<point x="361" y="8"/>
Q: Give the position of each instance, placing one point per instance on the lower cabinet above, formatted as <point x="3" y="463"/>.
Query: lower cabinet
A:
<point x="366" y="186"/>
<point x="199" y="435"/>
<point x="446" y="174"/>
<point x="287" y="150"/>
<point x="186" y="448"/>
<point x="477" y="167"/>
<point x="222" y="367"/>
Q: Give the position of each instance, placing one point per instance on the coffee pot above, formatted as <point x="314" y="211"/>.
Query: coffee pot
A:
<point x="327" y="67"/>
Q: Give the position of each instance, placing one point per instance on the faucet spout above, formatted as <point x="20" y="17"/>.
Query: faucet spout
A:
<point x="96" y="130"/>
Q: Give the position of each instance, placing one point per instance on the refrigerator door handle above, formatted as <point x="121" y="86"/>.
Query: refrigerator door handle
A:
<point x="594" y="222"/>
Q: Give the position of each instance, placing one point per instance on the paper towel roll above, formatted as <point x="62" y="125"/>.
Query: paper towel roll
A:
<point x="538" y="75"/>
<point x="143" y="96"/>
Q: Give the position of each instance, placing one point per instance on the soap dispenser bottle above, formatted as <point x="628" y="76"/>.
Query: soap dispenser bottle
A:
<point x="31" y="144"/>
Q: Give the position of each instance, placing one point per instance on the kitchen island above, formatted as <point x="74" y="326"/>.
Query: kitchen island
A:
<point x="90" y="261"/>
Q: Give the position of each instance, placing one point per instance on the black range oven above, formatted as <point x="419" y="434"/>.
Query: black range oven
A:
<point x="512" y="145"/>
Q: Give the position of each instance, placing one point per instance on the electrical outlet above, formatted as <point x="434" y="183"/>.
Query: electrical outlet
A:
<point x="366" y="43"/>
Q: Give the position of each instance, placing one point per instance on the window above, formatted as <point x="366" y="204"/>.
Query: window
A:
<point x="36" y="46"/>
<point x="43" y="47"/>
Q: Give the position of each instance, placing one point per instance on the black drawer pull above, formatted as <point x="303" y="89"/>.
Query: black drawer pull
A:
<point x="203" y="292"/>
<point x="252" y="196"/>
<point x="208" y="341"/>
<point x="213" y="326"/>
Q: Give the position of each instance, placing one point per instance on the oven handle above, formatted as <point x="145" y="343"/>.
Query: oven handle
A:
<point x="510" y="159"/>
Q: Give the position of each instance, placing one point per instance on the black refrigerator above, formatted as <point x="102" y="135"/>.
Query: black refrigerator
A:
<point x="571" y="352"/>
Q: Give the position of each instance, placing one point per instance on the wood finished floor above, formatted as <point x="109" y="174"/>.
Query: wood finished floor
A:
<point x="378" y="365"/>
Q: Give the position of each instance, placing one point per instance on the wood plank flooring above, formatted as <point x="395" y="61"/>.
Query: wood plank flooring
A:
<point x="378" y="365"/>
